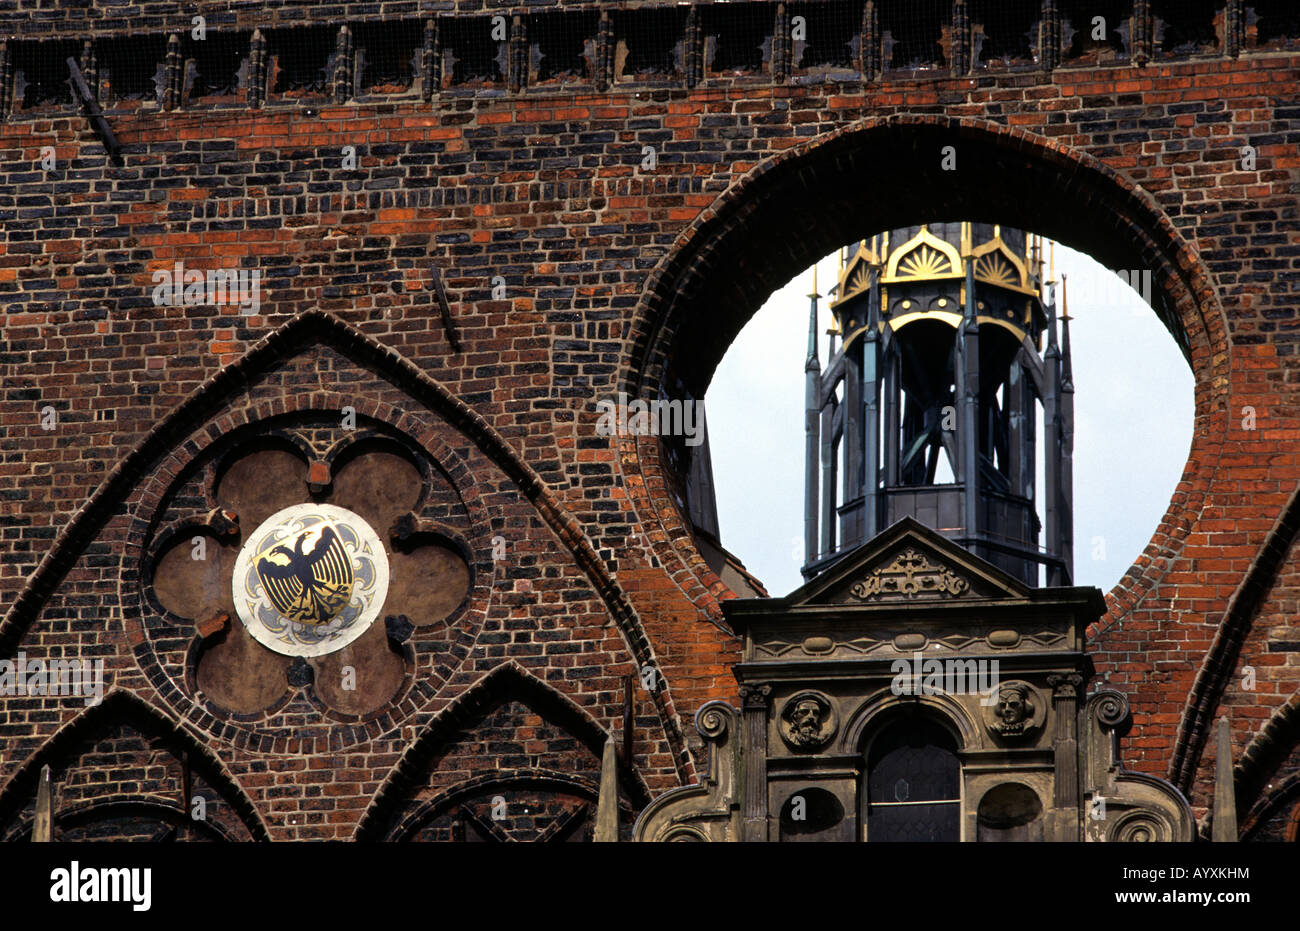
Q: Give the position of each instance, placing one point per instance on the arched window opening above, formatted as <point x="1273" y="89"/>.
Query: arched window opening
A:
<point x="913" y="783"/>
<point x="1067" y="349"/>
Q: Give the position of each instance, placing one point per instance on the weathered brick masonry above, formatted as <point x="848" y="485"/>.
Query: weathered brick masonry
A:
<point x="575" y="269"/>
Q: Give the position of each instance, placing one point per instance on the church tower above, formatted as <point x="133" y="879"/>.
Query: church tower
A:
<point x="943" y="353"/>
<point x="930" y="680"/>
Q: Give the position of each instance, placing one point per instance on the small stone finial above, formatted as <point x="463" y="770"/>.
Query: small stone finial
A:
<point x="517" y="56"/>
<point x="257" y="70"/>
<point x="961" y="38"/>
<point x="607" y="802"/>
<point x="1234" y="28"/>
<point x="344" y="60"/>
<point x="6" y="77"/>
<point x="604" y="52"/>
<point x="1140" y="32"/>
<point x="43" y="825"/>
<point x="431" y="61"/>
<point x="1224" y="826"/>
<point x="175" y="69"/>
<point x="1049" y="36"/>
<point x="693" y="45"/>
<point x="781" y="46"/>
<point x="869" y="46"/>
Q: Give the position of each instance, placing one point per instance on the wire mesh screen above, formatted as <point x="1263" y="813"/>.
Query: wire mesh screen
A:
<point x="914" y="35"/>
<point x="549" y="47"/>
<point x="830" y="36"/>
<point x="1184" y="28"/>
<point x="474" y="50"/>
<point x="387" y="57"/>
<point x="649" y="44"/>
<point x="1094" y="31"/>
<point x="738" y="37"/>
<point x="1004" y="34"/>
<point x="561" y="47"/>
<point x="214" y="66"/>
<point x="1275" y="24"/>
<point x="300" y="61"/>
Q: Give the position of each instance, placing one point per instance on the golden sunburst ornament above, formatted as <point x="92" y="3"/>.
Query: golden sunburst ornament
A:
<point x="995" y="269"/>
<point x="859" y="279"/>
<point x="924" y="262"/>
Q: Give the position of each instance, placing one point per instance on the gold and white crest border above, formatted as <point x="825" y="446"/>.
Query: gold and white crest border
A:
<point x="369" y="563"/>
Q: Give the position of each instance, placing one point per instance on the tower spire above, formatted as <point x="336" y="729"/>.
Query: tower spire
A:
<point x="1067" y="367"/>
<point x="930" y="366"/>
<point x="812" y="430"/>
<point x="811" y="362"/>
<point x="1065" y="516"/>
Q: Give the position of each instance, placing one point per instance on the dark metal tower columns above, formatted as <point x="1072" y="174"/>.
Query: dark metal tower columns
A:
<point x="942" y="327"/>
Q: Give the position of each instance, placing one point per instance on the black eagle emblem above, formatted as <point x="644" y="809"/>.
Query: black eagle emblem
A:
<point x="312" y="582"/>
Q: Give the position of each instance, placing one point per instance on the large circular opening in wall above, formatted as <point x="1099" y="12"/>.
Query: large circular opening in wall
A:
<point x="785" y="214"/>
<point x="1132" y="428"/>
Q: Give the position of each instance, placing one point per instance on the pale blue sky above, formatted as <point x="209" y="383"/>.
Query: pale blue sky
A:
<point x="1133" y="426"/>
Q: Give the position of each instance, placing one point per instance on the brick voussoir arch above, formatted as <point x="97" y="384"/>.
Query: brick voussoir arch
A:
<point x="122" y="705"/>
<point x="408" y="772"/>
<point x="1220" y="661"/>
<point x="1131" y="225"/>
<point x="158" y="446"/>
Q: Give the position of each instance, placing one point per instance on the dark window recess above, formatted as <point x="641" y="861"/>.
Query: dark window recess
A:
<point x="302" y="60"/>
<point x="1010" y="812"/>
<point x="217" y="63"/>
<point x="650" y="41"/>
<point x="41" y="76"/>
<point x="811" y="814"/>
<point x="537" y="814"/>
<point x="388" y="55"/>
<point x="474" y="56"/>
<point x="1188" y="26"/>
<point x="559" y="44"/>
<point x="1278" y="23"/>
<point x="1010" y="31"/>
<point x="913" y="776"/>
<point x="131" y="68"/>
<point x="830" y="30"/>
<point x="913" y="33"/>
<point x="1079" y="20"/>
<point x="741" y="36"/>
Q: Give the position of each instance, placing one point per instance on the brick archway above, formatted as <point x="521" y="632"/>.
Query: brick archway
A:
<point x="882" y="173"/>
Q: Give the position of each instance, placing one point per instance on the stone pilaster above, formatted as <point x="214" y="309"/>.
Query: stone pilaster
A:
<point x="755" y="700"/>
<point x="1066" y="824"/>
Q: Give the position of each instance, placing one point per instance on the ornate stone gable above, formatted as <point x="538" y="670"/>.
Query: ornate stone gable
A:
<point x="910" y="575"/>
<point x="907" y="564"/>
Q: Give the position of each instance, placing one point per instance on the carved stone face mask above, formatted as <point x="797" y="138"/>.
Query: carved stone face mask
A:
<point x="807" y="718"/>
<point x="1011" y="707"/>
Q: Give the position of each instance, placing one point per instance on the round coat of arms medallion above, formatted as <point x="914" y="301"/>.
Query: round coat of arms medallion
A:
<point x="310" y="580"/>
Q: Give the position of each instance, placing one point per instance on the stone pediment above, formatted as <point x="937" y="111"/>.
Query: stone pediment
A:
<point x="908" y="563"/>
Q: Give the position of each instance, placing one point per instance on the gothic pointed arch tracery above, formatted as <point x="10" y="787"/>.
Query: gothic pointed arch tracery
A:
<point x="101" y="752"/>
<point x="547" y="779"/>
<point x="443" y="495"/>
